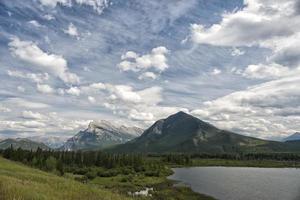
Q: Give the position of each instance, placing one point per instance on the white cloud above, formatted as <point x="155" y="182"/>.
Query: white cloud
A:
<point x="32" y="124"/>
<point x="91" y="99"/>
<point x="48" y="17"/>
<point x="258" y="22"/>
<point x="72" y="30"/>
<point x="97" y="5"/>
<point x="141" y="116"/>
<point x="4" y="109"/>
<point x="157" y="60"/>
<point x="269" y="24"/>
<point x="44" y="88"/>
<point x="97" y="86"/>
<point x="37" y="78"/>
<point x="129" y="55"/>
<point x="270" y="71"/>
<point x="30" y="52"/>
<point x="266" y="110"/>
<point x="52" y="3"/>
<point x="147" y="75"/>
<point x="23" y="103"/>
<point x="216" y="71"/>
<point x="27" y="114"/>
<point x="125" y="93"/>
<point x="35" y="23"/>
<point x="21" y="88"/>
<point x="237" y="52"/>
<point x="73" y="91"/>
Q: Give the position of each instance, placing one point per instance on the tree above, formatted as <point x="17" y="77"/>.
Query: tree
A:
<point x="60" y="167"/>
<point x="50" y="163"/>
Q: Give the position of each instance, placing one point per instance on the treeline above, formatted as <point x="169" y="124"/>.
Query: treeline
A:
<point x="251" y="156"/>
<point x="186" y="159"/>
<point x="98" y="163"/>
<point x="62" y="161"/>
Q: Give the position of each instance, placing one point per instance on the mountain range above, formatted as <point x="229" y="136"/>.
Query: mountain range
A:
<point x="294" y="137"/>
<point x="22" y="143"/>
<point x="182" y="132"/>
<point x="53" y="142"/>
<point x="100" y="135"/>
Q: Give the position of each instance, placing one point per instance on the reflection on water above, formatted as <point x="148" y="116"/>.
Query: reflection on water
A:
<point x="238" y="183"/>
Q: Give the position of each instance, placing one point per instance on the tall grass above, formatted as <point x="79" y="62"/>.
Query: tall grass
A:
<point x="18" y="182"/>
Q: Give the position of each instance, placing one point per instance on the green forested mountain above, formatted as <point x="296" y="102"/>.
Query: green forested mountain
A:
<point x="184" y="133"/>
<point x="22" y="143"/>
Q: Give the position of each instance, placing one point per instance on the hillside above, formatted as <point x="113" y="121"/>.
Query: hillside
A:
<point x="293" y="137"/>
<point x="100" y="135"/>
<point x="22" y="143"/>
<point x="18" y="182"/>
<point x="182" y="132"/>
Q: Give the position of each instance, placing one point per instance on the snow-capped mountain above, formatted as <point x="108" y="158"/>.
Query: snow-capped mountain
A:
<point x="101" y="134"/>
<point x="53" y="142"/>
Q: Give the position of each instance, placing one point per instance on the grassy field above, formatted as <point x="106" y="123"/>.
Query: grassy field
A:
<point x="19" y="182"/>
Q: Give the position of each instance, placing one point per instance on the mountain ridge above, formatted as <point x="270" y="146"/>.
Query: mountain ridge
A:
<point x="23" y="143"/>
<point x="99" y="135"/>
<point x="185" y="133"/>
<point x="293" y="137"/>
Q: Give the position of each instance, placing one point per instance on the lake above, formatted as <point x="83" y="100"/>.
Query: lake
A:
<point x="241" y="183"/>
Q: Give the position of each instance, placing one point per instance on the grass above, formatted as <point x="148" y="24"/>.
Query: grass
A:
<point x="18" y="182"/>
<point x="163" y="188"/>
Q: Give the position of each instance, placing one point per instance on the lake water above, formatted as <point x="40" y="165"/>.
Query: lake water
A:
<point x="242" y="183"/>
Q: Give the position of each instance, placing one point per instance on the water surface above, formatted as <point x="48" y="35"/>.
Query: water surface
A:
<point x="242" y="183"/>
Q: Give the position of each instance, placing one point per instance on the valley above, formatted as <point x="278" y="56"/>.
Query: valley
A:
<point x="131" y="164"/>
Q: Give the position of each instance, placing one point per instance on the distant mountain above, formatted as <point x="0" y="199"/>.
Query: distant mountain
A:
<point x="293" y="137"/>
<point x="100" y="135"/>
<point x="182" y="132"/>
<point x="53" y="142"/>
<point x="23" y="143"/>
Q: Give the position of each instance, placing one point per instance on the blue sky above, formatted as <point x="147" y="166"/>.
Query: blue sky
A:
<point x="232" y="63"/>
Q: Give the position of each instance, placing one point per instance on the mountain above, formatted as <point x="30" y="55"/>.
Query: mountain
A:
<point x="182" y="132"/>
<point x="23" y="143"/>
<point x="293" y="137"/>
<point x="53" y="142"/>
<point x="100" y="135"/>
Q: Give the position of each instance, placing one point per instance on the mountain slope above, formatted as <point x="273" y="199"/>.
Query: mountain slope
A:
<point x="22" y="143"/>
<point x="184" y="133"/>
<point x="294" y="137"/>
<point x="53" y="142"/>
<point x="100" y="135"/>
<point x="21" y="182"/>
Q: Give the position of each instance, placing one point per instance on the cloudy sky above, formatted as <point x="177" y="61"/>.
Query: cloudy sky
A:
<point x="233" y="63"/>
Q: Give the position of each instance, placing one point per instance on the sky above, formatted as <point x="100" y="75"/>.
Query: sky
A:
<point x="232" y="63"/>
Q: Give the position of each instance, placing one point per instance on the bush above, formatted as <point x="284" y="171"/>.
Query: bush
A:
<point x="108" y="173"/>
<point x="127" y="171"/>
<point x="81" y="171"/>
<point x="91" y="174"/>
<point x="152" y="173"/>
